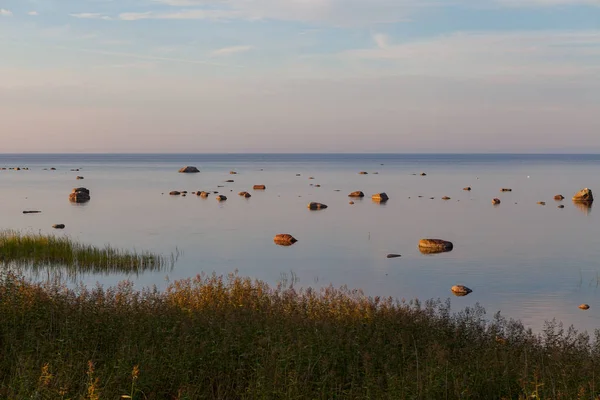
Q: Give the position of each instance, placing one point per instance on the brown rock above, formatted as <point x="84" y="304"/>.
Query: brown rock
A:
<point x="284" y="239"/>
<point x="460" y="290"/>
<point x="445" y="198"/>
<point x="584" y="195"/>
<point x="363" y="173"/>
<point x="79" y="178"/>
<point x="316" y="206"/>
<point x="467" y="188"/>
<point x="561" y="206"/>
<point x="79" y="195"/>
<point x="584" y="306"/>
<point x="541" y="203"/>
<point x="203" y="194"/>
<point x="559" y="197"/>
<point x="58" y="226"/>
<point x="259" y="187"/>
<point x="312" y="177"/>
<point x="351" y="202"/>
<point x="435" y="245"/>
<point x="189" y="170"/>
<point x="245" y="194"/>
<point x="423" y="174"/>
<point x="221" y="198"/>
<point x="380" y="197"/>
<point x="232" y="173"/>
<point x="496" y="201"/>
<point x="358" y="193"/>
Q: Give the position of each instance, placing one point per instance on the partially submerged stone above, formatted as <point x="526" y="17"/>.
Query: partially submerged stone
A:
<point x="202" y="194"/>
<point x="221" y="198"/>
<point x="584" y="306"/>
<point x="541" y="203"/>
<point x="393" y="255"/>
<point x="189" y="170"/>
<point x="358" y="193"/>
<point x="559" y="197"/>
<point x="584" y="196"/>
<point x="380" y="197"/>
<point x="79" y="178"/>
<point x="496" y="201"/>
<point x="58" y="226"/>
<point x="561" y="206"/>
<point x="259" y="187"/>
<point x="468" y="188"/>
<point x="435" y="246"/>
<point x="284" y="239"/>
<point x="174" y="193"/>
<point x="363" y="173"/>
<point x="245" y="194"/>
<point x="460" y="290"/>
<point x="79" y="195"/>
<point x="506" y="190"/>
<point x="31" y="212"/>
<point x="316" y="206"/>
<point x="445" y="198"/>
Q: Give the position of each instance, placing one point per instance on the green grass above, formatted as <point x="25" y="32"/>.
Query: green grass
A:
<point x="38" y="253"/>
<point x="234" y="338"/>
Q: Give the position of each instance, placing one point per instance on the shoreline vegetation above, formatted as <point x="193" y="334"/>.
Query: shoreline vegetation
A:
<point x="39" y="253"/>
<point x="214" y="337"/>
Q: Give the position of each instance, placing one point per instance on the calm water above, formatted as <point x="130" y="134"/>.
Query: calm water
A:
<point x="529" y="261"/>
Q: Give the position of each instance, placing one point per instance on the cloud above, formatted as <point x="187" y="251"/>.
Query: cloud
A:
<point x="33" y="13"/>
<point x="5" y="13"/>
<point x="90" y="16"/>
<point x="381" y="40"/>
<point x="184" y="14"/>
<point x="547" y="3"/>
<point x="226" y="51"/>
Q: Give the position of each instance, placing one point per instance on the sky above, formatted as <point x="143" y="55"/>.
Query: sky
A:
<point x="394" y="76"/>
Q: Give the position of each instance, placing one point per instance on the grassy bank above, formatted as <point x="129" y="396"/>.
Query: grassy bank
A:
<point x="233" y="338"/>
<point x="37" y="252"/>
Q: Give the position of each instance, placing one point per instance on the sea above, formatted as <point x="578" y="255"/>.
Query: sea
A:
<point x="529" y="261"/>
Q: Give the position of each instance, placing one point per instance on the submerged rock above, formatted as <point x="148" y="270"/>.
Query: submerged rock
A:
<point x="58" y="226"/>
<point x="79" y="195"/>
<point x="229" y="181"/>
<point x="202" y="194"/>
<point x="31" y="212"/>
<point x="393" y="255"/>
<point x="445" y="198"/>
<point x="363" y="173"/>
<point x="541" y="203"/>
<point x="423" y="174"/>
<point x="435" y="246"/>
<point x="561" y="206"/>
<point x="584" y="195"/>
<point x="284" y="239"/>
<point x="79" y="178"/>
<point x="351" y="202"/>
<point x="316" y="206"/>
<point x="584" y="306"/>
<point x="245" y="194"/>
<point x="189" y="170"/>
<point x="496" y="201"/>
<point x="175" y="193"/>
<point x="559" y="197"/>
<point x="358" y="193"/>
<point x="259" y="187"/>
<point x="232" y="173"/>
<point x="468" y="188"/>
<point x="460" y="290"/>
<point x="221" y="198"/>
<point x="506" y="190"/>
<point x="380" y="197"/>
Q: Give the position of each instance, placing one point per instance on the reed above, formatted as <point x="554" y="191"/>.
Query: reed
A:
<point x="215" y="337"/>
<point x="38" y="253"/>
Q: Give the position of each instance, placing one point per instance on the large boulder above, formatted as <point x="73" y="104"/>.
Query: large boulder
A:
<point x="316" y="206"/>
<point x="284" y="239"/>
<point x="380" y="197"/>
<point x="435" y="246"/>
<point x="189" y="170"/>
<point x="79" y="195"/>
<point x="584" y="196"/>
<point x="358" y="193"/>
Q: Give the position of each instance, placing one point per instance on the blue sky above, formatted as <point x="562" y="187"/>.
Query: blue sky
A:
<point x="300" y="75"/>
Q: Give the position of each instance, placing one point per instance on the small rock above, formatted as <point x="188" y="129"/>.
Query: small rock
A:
<point x="317" y="185"/>
<point x="189" y="170"/>
<point x="232" y="173"/>
<point x="584" y="196"/>
<point x="312" y="177"/>
<point x="351" y="202"/>
<point x="506" y="190"/>
<point x="79" y="178"/>
<point x="316" y="206"/>
<point x="460" y="290"/>
<point x="435" y="246"/>
<point x="229" y="181"/>
<point x="259" y="187"/>
<point x="584" y="306"/>
<point x="393" y="255"/>
<point x="380" y="197"/>
<point x="541" y="203"/>
<point x="496" y="201"/>
<point x="363" y="173"/>
<point x="284" y="239"/>
<point x="561" y="206"/>
<point x="445" y="198"/>
<point x="221" y="198"/>
<point x="184" y="192"/>
<point x="423" y="174"/>
<point x="58" y="226"/>
<point x="31" y="212"/>
<point x="467" y="188"/>
<point x="358" y="193"/>
<point x="559" y="197"/>
<point x="245" y="194"/>
<point x="204" y="195"/>
<point x="298" y="175"/>
<point x="175" y="193"/>
<point x="220" y="186"/>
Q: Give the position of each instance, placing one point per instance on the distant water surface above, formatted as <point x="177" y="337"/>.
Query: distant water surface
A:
<point x="529" y="261"/>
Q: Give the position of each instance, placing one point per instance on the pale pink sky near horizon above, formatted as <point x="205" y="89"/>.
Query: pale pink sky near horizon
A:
<point x="388" y="77"/>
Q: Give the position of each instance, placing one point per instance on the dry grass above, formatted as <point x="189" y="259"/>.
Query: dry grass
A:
<point x="234" y="338"/>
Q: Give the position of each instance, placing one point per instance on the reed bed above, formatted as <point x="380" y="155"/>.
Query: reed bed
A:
<point x="38" y="252"/>
<point x="214" y="337"/>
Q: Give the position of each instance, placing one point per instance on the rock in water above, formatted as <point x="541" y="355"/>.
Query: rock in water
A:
<point x="221" y="198"/>
<point x="204" y="195"/>
<point x="495" y="201"/>
<point x="435" y="246"/>
<point x="189" y="170"/>
<point x="541" y="203"/>
<point x="584" y="196"/>
<point x="31" y="212"/>
<point x="245" y="194"/>
<point x="229" y="181"/>
<point x="58" y="226"/>
<point x="468" y="188"/>
<point x="506" y="190"/>
<point x="259" y="187"/>
<point x="380" y="197"/>
<point x="175" y="193"/>
<point x="460" y="290"/>
<point x="79" y="195"/>
<point x="79" y="178"/>
<point x="363" y="173"/>
<point x="358" y="193"/>
<point x="559" y="197"/>
<point x="445" y="198"/>
<point x="393" y="255"/>
<point x="284" y="239"/>
<point x="351" y="202"/>
<point x="232" y="173"/>
<point x="584" y="306"/>
<point x="316" y="206"/>
<point x="561" y="206"/>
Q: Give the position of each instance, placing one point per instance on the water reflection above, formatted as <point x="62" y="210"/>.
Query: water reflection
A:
<point x="584" y="206"/>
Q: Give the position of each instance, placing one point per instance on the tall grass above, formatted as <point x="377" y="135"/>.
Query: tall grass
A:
<point x="38" y="252"/>
<point x="233" y="338"/>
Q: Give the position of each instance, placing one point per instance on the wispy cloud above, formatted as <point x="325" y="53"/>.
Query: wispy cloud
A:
<point x="5" y="13"/>
<point x="185" y="14"/>
<point x="91" y="16"/>
<point x="381" y="40"/>
<point x="33" y="13"/>
<point x="227" y="51"/>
